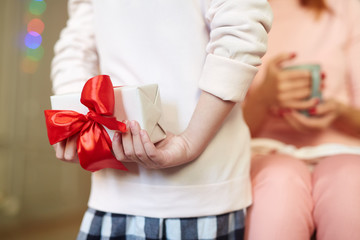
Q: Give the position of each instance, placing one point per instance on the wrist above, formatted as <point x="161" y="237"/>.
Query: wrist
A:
<point x="191" y="144"/>
<point x="341" y="111"/>
<point x="264" y="98"/>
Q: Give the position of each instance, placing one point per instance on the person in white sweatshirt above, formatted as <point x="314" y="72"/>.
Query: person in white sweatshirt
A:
<point x="203" y="54"/>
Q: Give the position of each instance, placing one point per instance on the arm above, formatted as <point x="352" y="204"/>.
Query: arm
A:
<point x="345" y="117"/>
<point x="255" y="111"/>
<point x="237" y="42"/>
<point x="74" y="62"/>
<point x="75" y="59"/>
<point x="326" y="114"/>
<point x="135" y="145"/>
<point x="279" y="92"/>
<point x="282" y="93"/>
<point x="348" y="119"/>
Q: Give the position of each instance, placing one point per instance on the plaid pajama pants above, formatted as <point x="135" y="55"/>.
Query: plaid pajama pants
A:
<point x="110" y="226"/>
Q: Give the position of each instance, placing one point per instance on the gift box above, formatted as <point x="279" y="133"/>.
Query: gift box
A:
<point x="97" y="112"/>
<point x="140" y="103"/>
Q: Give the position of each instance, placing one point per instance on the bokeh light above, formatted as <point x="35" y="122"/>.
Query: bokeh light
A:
<point x="33" y="40"/>
<point x="29" y="66"/>
<point x="35" y="25"/>
<point x="37" y="7"/>
<point x="34" y="52"/>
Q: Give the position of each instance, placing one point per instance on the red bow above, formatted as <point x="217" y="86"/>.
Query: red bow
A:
<point x="94" y="144"/>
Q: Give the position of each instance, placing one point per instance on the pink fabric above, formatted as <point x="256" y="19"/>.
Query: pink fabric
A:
<point x="282" y="202"/>
<point x="333" y="41"/>
<point x="290" y="201"/>
<point x="336" y="193"/>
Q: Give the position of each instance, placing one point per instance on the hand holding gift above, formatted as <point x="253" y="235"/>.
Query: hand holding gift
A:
<point x="135" y="146"/>
<point x="174" y="150"/>
<point x="97" y="117"/>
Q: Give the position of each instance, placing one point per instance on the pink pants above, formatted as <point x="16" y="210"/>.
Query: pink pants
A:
<point x="290" y="202"/>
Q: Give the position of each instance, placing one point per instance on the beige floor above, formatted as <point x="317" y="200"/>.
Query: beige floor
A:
<point x="60" y="229"/>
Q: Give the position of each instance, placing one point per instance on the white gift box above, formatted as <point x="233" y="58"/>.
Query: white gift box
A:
<point x="140" y="103"/>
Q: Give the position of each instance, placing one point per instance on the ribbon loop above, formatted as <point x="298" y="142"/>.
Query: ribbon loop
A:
<point x="94" y="144"/>
<point x="98" y="95"/>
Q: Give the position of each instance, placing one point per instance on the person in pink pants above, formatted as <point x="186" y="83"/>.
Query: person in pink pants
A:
<point x="306" y="168"/>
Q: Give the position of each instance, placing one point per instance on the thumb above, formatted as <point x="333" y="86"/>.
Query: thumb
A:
<point x="280" y="59"/>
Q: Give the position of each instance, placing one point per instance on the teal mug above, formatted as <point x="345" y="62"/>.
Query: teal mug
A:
<point x="315" y="71"/>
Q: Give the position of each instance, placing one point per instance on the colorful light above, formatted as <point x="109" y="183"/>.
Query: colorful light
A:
<point x="36" y="25"/>
<point x="33" y="39"/>
<point x="28" y="65"/>
<point x="37" y="7"/>
<point x="35" y="54"/>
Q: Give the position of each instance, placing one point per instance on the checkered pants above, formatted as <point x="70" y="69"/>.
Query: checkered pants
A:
<point x="110" y="226"/>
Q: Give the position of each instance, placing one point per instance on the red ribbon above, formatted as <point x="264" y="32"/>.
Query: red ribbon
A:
<point x="94" y="144"/>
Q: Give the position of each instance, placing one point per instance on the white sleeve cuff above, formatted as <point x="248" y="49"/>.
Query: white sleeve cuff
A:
<point x="226" y="78"/>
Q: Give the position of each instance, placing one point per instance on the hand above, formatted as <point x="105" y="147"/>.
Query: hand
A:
<point x="66" y="150"/>
<point x="321" y="117"/>
<point x="135" y="146"/>
<point x="286" y="89"/>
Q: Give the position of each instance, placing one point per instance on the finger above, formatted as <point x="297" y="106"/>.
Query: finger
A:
<point x="322" y="122"/>
<point x="127" y="143"/>
<point x="280" y="59"/>
<point x="138" y="144"/>
<point x="324" y="108"/>
<point x="311" y="123"/>
<point x="117" y="148"/>
<point x="326" y="120"/>
<point x="300" y="94"/>
<point x="290" y="80"/>
<point x="148" y="145"/>
<point x="150" y="149"/>
<point x="70" y="153"/>
<point x="323" y="76"/>
<point x="297" y="74"/>
<point x="322" y="84"/>
<point x="302" y="104"/>
<point x="60" y="149"/>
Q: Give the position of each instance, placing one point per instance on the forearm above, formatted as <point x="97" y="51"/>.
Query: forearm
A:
<point x="207" y="118"/>
<point x="256" y="109"/>
<point x="235" y="49"/>
<point x="348" y="119"/>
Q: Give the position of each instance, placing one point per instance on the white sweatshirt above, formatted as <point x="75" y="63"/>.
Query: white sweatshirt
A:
<point x="184" y="46"/>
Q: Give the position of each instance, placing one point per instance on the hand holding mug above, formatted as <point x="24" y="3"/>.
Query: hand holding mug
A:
<point x="284" y="89"/>
<point x="316" y="81"/>
<point x="321" y="117"/>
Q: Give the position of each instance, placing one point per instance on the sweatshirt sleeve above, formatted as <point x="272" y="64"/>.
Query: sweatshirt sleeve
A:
<point x="353" y="50"/>
<point x="238" y="40"/>
<point x="75" y="59"/>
